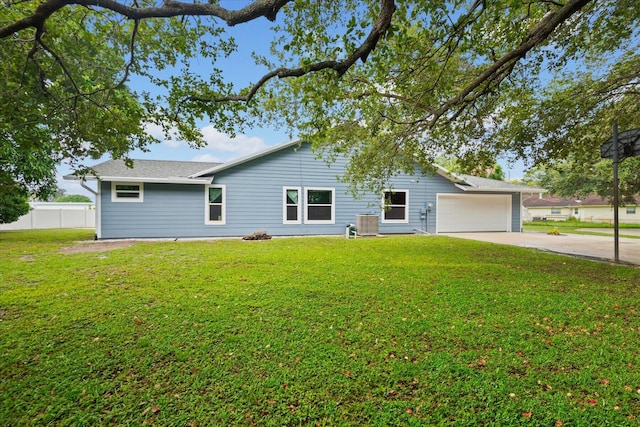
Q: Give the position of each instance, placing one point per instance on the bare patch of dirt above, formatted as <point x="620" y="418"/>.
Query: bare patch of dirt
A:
<point x="97" y="246"/>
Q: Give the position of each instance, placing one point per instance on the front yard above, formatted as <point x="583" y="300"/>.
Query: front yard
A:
<point x="408" y="330"/>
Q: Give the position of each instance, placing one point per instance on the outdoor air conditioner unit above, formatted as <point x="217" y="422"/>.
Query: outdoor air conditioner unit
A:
<point x="367" y="225"/>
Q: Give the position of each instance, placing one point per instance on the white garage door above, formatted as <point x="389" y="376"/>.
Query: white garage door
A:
<point x="473" y="212"/>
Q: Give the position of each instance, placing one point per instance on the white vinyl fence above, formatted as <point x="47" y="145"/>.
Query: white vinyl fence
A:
<point x="55" y="215"/>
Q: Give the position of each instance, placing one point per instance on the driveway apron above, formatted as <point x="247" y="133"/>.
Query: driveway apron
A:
<point x="599" y="247"/>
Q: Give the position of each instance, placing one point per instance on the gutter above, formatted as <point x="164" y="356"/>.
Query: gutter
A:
<point x="168" y="180"/>
<point x="469" y="188"/>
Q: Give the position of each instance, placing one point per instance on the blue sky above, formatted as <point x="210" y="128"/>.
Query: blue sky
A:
<point x="242" y="71"/>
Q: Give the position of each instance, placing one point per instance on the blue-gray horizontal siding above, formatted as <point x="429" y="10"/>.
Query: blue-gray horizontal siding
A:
<point x="254" y="201"/>
<point x="254" y="195"/>
<point x="168" y="210"/>
<point x="516" y="212"/>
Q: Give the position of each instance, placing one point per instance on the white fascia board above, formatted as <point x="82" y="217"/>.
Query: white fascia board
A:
<point x="168" y="180"/>
<point x="468" y="188"/>
<point x="449" y="175"/>
<point x="77" y="178"/>
<point x="247" y="158"/>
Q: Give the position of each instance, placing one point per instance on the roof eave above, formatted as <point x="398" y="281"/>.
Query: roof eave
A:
<point x="468" y="188"/>
<point x="167" y="180"/>
<point x="446" y="173"/>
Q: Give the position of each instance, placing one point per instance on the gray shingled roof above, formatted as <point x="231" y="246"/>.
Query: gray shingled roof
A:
<point x="489" y="184"/>
<point x="151" y="168"/>
<point x="168" y="169"/>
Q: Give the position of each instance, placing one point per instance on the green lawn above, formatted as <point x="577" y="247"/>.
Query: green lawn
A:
<point x="411" y="330"/>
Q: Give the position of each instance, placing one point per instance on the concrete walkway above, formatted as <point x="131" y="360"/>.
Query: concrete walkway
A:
<point x="599" y="247"/>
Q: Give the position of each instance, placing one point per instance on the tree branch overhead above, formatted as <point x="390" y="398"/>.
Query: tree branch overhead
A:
<point x="259" y="8"/>
<point x="384" y="81"/>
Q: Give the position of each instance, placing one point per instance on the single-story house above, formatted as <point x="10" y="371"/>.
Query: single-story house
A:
<point x="592" y="208"/>
<point x="287" y="190"/>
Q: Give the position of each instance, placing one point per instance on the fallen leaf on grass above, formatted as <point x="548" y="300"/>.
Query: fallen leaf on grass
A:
<point x="527" y="414"/>
<point x="347" y="373"/>
<point x="593" y="402"/>
<point x="480" y="365"/>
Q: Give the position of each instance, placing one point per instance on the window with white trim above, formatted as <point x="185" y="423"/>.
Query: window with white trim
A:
<point x="291" y="205"/>
<point x="631" y="210"/>
<point x="556" y="211"/>
<point x="127" y="191"/>
<point x="319" y="205"/>
<point x="215" y="204"/>
<point x="395" y="206"/>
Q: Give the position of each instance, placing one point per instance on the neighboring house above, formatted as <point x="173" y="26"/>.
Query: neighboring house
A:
<point x="589" y="209"/>
<point x="287" y="190"/>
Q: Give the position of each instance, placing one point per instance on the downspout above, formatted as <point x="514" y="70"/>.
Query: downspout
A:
<point x="98" y="215"/>
<point x="89" y="189"/>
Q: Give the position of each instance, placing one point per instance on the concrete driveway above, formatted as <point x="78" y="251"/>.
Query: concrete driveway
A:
<point x="600" y="247"/>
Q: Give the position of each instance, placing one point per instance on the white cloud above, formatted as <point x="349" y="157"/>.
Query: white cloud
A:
<point x="167" y="139"/>
<point x="215" y="140"/>
<point x="241" y="144"/>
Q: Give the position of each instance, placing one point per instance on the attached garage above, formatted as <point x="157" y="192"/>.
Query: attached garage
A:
<point x="466" y="213"/>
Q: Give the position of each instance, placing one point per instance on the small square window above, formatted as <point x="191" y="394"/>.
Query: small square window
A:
<point x="127" y="191"/>
<point x="631" y="210"/>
